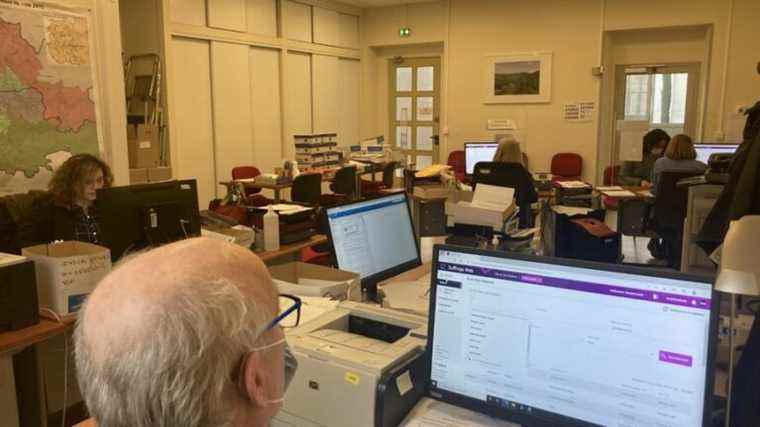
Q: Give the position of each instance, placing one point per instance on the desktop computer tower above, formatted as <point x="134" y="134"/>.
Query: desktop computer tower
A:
<point x="18" y="293"/>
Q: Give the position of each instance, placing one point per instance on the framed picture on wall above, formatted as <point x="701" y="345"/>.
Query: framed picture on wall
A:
<point x="518" y="78"/>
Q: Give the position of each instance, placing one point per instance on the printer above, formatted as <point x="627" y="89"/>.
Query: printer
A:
<point x="358" y="366"/>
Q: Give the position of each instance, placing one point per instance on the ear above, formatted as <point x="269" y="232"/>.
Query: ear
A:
<point x="255" y="380"/>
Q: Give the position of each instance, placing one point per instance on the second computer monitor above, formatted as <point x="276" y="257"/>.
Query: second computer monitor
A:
<point x="374" y="238"/>
<point x="704" y="151"/>
<point x="475" y="152"/>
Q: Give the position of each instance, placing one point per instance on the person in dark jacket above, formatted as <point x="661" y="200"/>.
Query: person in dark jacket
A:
<point x="639" y="173"/>
<point x="67" y="212"/>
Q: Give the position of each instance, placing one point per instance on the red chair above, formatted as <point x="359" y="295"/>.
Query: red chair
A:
<point x="457" y="162"/>
<point x="611" y="174"/>
<point x="566" y="167"/>
<point x="252" y="194"/>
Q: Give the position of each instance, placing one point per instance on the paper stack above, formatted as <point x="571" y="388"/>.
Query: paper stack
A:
<point x="491" y="206"/>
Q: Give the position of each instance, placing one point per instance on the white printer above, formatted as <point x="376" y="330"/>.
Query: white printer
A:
<point x="358" y="366"/>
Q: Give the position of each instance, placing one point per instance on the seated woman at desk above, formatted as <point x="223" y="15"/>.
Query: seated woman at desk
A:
<point x="517" y="175"/>
<point x="639" y="173"/>
<point x="67" y="212"/>
<point x="680" y="156"/>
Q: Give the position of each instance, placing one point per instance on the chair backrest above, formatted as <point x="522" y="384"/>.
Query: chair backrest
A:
<point x="307" y="188"/>
<point x="610" y="174"/>
<point x="344" y="181"/>
<point x="247" y="172"/>
<point x="388" y="172"/>
<point x="457" y="162"/>
<point x="567" y="165"/>
<point x="632" y="217"/>
<point x="671" y="201"/>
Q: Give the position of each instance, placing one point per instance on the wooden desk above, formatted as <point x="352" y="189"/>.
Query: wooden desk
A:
<point x="13" y="342"/>
<point x="290" y="252"/>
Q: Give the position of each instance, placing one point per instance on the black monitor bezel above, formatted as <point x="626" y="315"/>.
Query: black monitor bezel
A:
<point x="369" y="283"/>
<point x="533" y="420"/>
<point x="465" y="153"/>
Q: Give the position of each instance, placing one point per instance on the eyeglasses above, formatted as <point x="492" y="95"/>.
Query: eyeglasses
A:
<point x="285" y="318"/>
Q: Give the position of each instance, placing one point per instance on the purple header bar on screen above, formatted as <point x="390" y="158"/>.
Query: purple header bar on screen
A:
<point x="597" y="288"/>
<point x="675" y="358"/>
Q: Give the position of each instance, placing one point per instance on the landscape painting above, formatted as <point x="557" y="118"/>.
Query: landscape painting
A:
<point x="518" y="78"/>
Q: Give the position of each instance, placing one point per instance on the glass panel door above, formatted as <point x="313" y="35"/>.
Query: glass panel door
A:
<point x="415" y="109"/>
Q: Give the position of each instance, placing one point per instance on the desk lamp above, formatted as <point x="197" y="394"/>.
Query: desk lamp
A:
<point x="739" y="275"/>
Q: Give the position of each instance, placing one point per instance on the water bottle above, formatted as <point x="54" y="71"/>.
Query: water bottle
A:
<point x="271" y="230"/>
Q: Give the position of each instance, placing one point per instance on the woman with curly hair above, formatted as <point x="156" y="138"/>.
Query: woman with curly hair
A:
<point x="67" y="212"/>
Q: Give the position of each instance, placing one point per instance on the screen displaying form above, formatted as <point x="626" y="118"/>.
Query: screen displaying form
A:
<point x="532" y="340"/>
<point x="704" y="151"/>
<point x="475" y="152"/>
<point x="374" y="237"/>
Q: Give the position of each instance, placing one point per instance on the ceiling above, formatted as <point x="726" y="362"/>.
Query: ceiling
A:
<point x="381" y="3"/>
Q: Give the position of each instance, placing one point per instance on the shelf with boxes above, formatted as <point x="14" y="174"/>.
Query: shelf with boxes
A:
<point x="317" y="151"/>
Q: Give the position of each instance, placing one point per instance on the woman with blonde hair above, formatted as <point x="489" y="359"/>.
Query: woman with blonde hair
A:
<point x="508" y="151"/>
<point x="67" y="211"/>
<point x="680" y="156"/>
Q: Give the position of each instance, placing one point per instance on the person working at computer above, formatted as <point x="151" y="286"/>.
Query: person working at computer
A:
<point x="639" y="173"/>
<point x="185" y="335"/>
<point x="680" y="156"/>
<point x="515" y="174"/>
<point x="67" y="211"/>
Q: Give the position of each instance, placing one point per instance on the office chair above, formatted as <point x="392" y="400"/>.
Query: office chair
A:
<point x="632" y="218"/>
<point x="307" y="189"/>
<point x="610" y="178"/>
<point x="668" y="213"/>
<point x="511" y="175"/>
<point x="374" y="188"/>
<point x="457" y="162"/>
<point x="566" y="167"/>
<point x="252" y="195"/>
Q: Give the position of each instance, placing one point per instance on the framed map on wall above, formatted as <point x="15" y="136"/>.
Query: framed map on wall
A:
<point x="518" y="78"/>
<point x="47" y="106"/>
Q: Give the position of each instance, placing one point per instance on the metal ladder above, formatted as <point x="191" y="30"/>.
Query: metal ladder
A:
<point x="145" y="89"/>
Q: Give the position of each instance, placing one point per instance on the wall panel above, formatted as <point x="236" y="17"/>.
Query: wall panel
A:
<point x="191" y="12"/>
<point x="193" y="130"/>
<point x="296" y="21"/>
<point x="325" y="26"/>
<point x="266" y="108"/>
<point x="325" y="93"/>
<point x="262" y="17"/>
<point x="227" y="14"/>
<point x="348" y="101"/>
<point x="230" y="83"/>
<point x="298" y="106"/>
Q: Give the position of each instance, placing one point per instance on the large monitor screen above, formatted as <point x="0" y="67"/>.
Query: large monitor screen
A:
<point x="704" y="151"/>
<point x="553" y="342"/>
<point x="475" y="152"/>
<point x="374" y="238"/>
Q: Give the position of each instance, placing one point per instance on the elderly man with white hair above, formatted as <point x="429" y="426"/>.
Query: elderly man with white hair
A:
<point x="185" y="335"/>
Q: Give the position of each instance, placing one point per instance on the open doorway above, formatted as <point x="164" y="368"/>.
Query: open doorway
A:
<point x="665" y="96"/>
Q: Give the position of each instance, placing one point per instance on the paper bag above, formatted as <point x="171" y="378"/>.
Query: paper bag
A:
<point x="67" y="272"/>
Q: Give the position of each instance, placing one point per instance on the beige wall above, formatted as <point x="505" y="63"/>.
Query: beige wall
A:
<point x="269" y="75"/>
<point x="572" y="31"/>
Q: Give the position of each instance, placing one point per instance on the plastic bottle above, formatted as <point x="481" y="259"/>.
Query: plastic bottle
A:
<point x="271" y="230"/>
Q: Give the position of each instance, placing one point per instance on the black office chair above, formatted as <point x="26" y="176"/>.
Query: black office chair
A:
<point x="344" y="182"/>
<point x="512" y="175"/>
<point x="307" y="189"/>
<point x="668" y="212"/>
<point x="632" y="218"/>
<point x="374" y="188"/>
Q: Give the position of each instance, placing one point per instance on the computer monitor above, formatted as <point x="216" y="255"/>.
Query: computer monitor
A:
<point x="704" y="151"/>
<point x="137" y="216"/>
<point x="374" y="238"/>
<point x="475" y="152"/>
<point x="544" y="341"/>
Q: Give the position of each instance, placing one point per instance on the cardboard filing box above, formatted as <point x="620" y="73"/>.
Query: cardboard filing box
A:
<point x="67" y="272"/>
<point x="158" y="174"/>
<point x="138" y="176"/>
<point x="143" y="146"/>
<point x="490" y="206"/>
<point x="315" y="280"/>
<point x="432" y="191"/>
<point x="18" y="293"/>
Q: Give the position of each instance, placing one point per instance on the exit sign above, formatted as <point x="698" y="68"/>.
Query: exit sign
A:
<point x="404" y="32"/>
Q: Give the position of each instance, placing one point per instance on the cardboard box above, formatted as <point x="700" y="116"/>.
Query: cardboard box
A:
<point x="239" y="234"/>
<point x="138" y="176"/>
<point x="67" y="272"/>
<point x="163" y="173"/>
<point x="490" y="206"/>
<point x="143" y="146"/>
<point x="433" y="191"/>
<point x="303" y="279"/>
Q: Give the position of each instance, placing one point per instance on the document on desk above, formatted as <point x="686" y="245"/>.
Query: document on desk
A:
<point x="571" y="210"/>
<point x="620" y="194"/>
<point x="609" y="188"/>
<point x="413" y="296"/>
<point x="432" y="413"/>
<point x="572" y="184"/>
<point x="493" y="197"/>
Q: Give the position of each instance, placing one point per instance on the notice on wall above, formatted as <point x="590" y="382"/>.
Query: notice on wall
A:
<point x="579" y="111"/>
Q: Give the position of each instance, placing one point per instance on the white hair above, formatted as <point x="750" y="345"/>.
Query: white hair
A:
<point x="179" y="373"/>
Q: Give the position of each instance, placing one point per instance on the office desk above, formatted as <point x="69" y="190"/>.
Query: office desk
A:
<point x="277" y="188"/>
<point x="10" y="344"/>
<point x="291" y="252"/>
